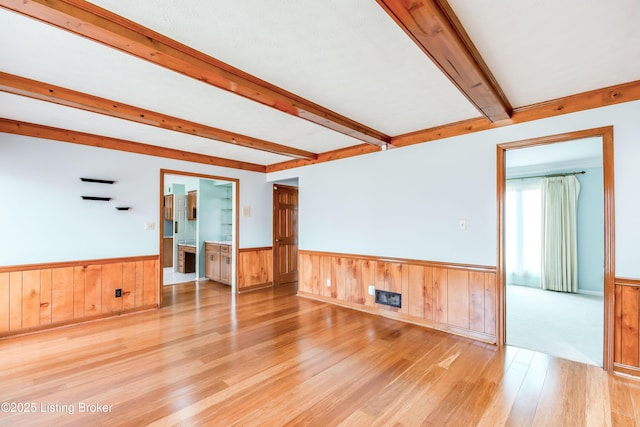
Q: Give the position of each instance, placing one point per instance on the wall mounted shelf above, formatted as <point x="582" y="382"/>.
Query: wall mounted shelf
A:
<point x="97" y="181"/>
<point x="100" y="199"/>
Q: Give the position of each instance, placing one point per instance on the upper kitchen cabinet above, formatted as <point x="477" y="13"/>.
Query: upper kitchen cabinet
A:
<point x="192" y="202"/>
<point x="168" y="207"/>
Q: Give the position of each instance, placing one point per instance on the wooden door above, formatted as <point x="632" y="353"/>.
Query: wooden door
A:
<point x="285" y="234"/>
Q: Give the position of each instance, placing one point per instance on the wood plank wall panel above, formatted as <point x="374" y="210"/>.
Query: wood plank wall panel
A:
<point x="476" y="301"/>
<point x="62" y="294"/>
<point x="45" y="297"/>
<point x="440" y="303"/>
<point x="112" y="279"/>
<point x="30" y="298"/>
<point x="458" y="298"/>
<point x="490" y="304"/>
<point x="92" y="290"/>
<point x="40" y="296"/>
<point x="455" y="298"/>
<point x="15" y="300"/>
<point x="255" y="268"/>
<point x="629" y="337"/>
<point x="4" y="302"/>
<point x="128" y="285"/>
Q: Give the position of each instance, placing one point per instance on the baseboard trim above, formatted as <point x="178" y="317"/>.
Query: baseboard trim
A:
<point x="255" y="287"/>
<point x="81" y="321"/>
<point x="479" y="336"/>
<point x="630" y="371"/>
<point x="586" y="292"/>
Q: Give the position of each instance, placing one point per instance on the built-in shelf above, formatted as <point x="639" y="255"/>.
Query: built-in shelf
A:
<point x="97" y="181"/>
<point x="99" y="199"/>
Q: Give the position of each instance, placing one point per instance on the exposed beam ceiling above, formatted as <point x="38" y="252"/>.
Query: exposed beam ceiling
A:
<point x="100" y="25"/>
<point x="433" y="26"/>
<point x="83" y="138"/>
<point x="46" y="92"/>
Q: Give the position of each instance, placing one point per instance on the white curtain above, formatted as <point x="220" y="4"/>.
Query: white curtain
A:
<point x="559" y="233"/>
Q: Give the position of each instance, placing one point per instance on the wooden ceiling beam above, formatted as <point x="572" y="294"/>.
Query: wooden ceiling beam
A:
<point x="434" y="27"/>
<point x="82" y="138"/>
<point x="90" y="21"/>
<point x="47" y="92"/>
<point x="627" y="92"/>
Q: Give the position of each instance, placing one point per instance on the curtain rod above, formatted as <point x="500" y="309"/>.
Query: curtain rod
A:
<point x="548" y="176"/>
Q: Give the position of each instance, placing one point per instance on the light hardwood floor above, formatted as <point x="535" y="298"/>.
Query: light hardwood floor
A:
<point x="269" y="358"/>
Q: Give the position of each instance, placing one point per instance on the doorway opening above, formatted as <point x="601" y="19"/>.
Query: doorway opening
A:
<point x="555" y="271"/>
<point x="198" y="232"/>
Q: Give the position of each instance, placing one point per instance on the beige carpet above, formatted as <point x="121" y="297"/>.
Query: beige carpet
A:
<point x="560" y="324"/>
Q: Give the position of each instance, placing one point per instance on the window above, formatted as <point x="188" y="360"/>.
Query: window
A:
<point x="523" y="223"/>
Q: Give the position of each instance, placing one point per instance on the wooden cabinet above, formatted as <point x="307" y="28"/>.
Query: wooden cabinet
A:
<point x="186" y="259"/>
<point x="218" y="262"/>
<point x="168" y="207"/>
<point x="192" y="203"/>
<point x="167" y="251"/>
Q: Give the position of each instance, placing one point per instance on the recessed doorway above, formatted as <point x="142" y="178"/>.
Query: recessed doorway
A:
<point x="198" y="232"/>
<point x="549" y="301"/>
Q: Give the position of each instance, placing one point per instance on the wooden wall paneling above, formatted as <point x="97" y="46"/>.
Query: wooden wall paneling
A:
<point x="150" y="281"/>
<point x="458" y="298"/>
<point x="381" y="272"/>
<point x="416" y="290"/>
<point x="428" y="293"/>
<point x="440" y="304"/>
<point x="630" y="328"/>
<point x="93" y="290"/>
<point x="476" y="300"/>
<point x="404" y="270"/>
<point x="15" y="300"/>
<point x="139" y="284"/>
<point x="368" y="277"/>
<point x="30" y="299"/>
<point x="315" y="282"/>
<point x="62" y="295"/>
<point x="617" y="329"/>
<point x="111" y="280"/>
<point x="78" y="291"/>
<point x="45" y="296"/>
<point x="255" y="267"/>
<point x="4" y="302"/>
<point x="490" y="303"/>
<point x="305" y="270"/>
<point x="128" y="285"/>
<point x="326" y="273"/>
<point x="339" y="283"/>
<point x="357" y="285"/>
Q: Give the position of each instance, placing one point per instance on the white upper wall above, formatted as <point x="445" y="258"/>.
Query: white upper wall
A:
<point x="45" y="219"/>
<point x="407" y="202"/>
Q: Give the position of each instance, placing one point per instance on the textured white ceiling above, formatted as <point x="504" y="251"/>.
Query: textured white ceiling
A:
<point x="45" y="113"/>
<point x="348" y="56"/>
<point x="547" y="49"/>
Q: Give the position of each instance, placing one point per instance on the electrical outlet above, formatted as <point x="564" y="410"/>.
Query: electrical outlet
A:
<point x="118" y="293"/>
<point x="462" y="224"/>
<point x="372" y="289"/>
<point x="328" y="283"/>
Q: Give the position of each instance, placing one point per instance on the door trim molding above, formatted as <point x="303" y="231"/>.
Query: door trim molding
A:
<point x="236" y="208"/>
<point x="606" y="133"/>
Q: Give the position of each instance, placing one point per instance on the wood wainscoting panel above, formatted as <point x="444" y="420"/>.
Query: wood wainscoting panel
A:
<point x="458" y="298"/>
<point x="4" y="302"/>
<point x="455" y="298"/>
<point x="30" y="298"/>
<point x="255" y="268"/>
<point x="38" y="296"/>
<point x="627" y="321"/>
<point x="62" y="294"/>
<point x="45" y="296"/>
